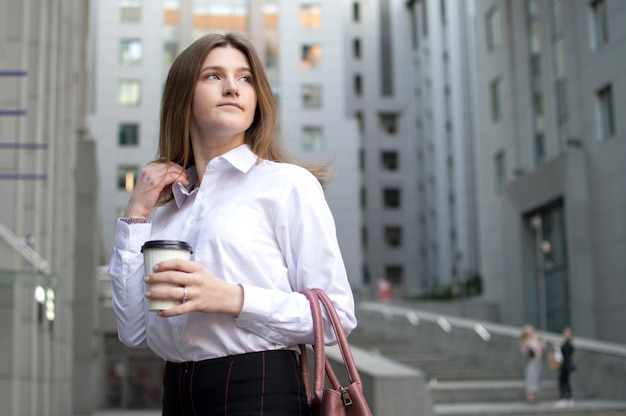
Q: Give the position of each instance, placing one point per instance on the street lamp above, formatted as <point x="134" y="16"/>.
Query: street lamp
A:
<point x="537" y="225"/>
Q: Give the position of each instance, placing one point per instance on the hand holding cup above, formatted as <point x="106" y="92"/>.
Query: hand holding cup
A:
<point x="155" y="251"/>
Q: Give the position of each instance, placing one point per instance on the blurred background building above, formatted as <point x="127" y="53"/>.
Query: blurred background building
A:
<point x="48" y="215"/>
<point x="550" y="85"/>
<point x="477" y="146"/>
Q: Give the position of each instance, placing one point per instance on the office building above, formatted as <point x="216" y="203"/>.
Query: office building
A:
<point x="550" y="78"/>
<point x="48" y="214"/>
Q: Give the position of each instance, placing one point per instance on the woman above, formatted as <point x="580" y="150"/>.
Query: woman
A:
<point x="260" y="229"/>
<point x="532" y="346"/>
<point x="567" y="366"/>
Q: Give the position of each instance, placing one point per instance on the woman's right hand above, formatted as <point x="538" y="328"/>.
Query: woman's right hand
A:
<point x="154" y="182"/>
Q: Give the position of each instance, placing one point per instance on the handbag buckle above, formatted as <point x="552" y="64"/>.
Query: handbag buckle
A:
<point x="345" y="396"/>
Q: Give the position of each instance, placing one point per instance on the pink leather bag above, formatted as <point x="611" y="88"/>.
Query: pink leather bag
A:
<point x="336" y="399"/>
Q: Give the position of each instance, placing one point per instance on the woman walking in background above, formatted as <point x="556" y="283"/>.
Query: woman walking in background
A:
<point x="532" y="345"/>
<point x="567" y="366"/>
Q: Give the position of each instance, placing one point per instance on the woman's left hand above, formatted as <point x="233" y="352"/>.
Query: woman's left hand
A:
<point x="204" y="291"/>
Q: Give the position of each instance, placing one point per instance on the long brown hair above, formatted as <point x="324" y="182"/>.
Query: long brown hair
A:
<point x="261" y="137"/>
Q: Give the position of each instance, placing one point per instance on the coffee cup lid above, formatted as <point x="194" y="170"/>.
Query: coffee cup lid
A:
<point x="167" y="244"/>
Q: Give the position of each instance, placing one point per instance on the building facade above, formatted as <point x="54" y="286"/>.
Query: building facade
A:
<point x="409" y="88"/>
<point x="317" y="125"/>
<point x="550" y="87"/>
<point x="48" y="213"/>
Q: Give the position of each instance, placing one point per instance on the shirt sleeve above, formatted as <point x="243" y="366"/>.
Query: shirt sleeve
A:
<point x="305" y="230"/>
<point x="126" y="269"/>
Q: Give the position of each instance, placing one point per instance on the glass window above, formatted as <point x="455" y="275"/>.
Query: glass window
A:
<point x="313" y="138"/>
<point x="170" y="51"/>
<point x="361" y="159"/>
<point x="496" y="111"/>
<point x="561" y="99"/>
<point x="360" y="122"/>
<point x="129" y="92"/>
<point x="358" y="90"/>
<point x="425" y="19"/>
<point x="559" y="58"/>
<point x="386" y="49"/>
<point x="556" y="14"/>
<point x="389" y="160"/>
<point x="310" y="16"/>
<point x="356" y="48"/>
<point x="535" y="73"/>
<point x="414" y="24"/>
<point x="311" y="96"/>
<point x="130" y="10"/>
<point x="364" y="236"/>
<point x="126" y="177"/>
<point x="540" y="151"/>
<point x="132" y="376"/>
<point x="388" y="123"/>
<point x="131" y="51"/>
<point x="393" y="236"/>
<point x="599" y="24"/>
<point x="311" y="56"/>
<point x="534" y="28"/>
<point x="606" y="121"/>
<point x="128" y="134"/>
<point x="444" y="14"/>
<point x="391" y="197"/>
<point x="393" y="274"/>
<point x="538" y="112"/>
<point x="500" y="168"/>
<point x="271" y="55"/>
<point x="493" y="29"/>
<point x="563" y="130"/>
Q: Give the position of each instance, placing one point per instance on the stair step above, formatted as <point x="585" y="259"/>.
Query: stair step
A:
<point x="460" y="386"/>
<point x="448" y="392"/>
<point x="520" y="408"/>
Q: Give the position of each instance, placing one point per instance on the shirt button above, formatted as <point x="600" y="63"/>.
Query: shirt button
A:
<point x="180" y="330"/>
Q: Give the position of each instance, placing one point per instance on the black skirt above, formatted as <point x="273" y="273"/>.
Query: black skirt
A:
<point x="267" y="383"/>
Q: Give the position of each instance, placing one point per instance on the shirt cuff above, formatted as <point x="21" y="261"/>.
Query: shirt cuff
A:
<point x="257" y="308"/>
<point x="131" y="237"/>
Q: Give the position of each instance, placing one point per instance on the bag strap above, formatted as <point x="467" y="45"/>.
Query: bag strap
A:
<point x="322" y="366"/>
<point x="342" y="339"/>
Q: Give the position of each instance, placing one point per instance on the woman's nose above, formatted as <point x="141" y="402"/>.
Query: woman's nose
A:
<point x="230" y="87"/>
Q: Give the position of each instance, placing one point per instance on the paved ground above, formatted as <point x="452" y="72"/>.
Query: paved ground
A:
<point x="586" y="407"/>
<point x="128" y="413"/>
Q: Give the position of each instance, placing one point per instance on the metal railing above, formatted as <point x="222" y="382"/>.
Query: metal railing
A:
<point x="483" y="329"/>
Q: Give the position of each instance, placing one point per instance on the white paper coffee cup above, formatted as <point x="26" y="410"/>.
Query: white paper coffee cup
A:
<point x="156" y="251"/>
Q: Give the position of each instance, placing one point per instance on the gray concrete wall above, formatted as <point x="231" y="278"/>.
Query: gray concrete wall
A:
<point x="390" y="388"/>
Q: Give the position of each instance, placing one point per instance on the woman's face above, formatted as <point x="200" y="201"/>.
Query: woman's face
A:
<point x="224" y="99"/>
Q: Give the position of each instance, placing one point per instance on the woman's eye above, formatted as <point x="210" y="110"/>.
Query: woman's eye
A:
<point x="212" y="76"/>
<point x="246" y="79"/>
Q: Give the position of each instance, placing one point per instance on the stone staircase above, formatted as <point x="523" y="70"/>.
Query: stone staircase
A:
<point x="460" y="386"/>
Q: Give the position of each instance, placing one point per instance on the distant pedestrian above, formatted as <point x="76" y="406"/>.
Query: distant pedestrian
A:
<point x="532" y="345"/>
<point x="385" y="293"/>
<point x="567" y="366"/>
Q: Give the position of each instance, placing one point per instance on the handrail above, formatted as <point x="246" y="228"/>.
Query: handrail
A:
<point x="483" y="329"/>
<point x="39" y="263"/>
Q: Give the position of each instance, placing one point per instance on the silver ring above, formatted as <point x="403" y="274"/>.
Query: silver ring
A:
<point x="184" y="299"/>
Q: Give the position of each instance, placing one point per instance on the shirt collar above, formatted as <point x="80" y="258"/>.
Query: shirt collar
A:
<point x="240" y="158"/>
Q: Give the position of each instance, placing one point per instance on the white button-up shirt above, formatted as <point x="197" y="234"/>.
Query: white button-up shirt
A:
<point x="265" y="226"/>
